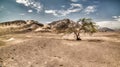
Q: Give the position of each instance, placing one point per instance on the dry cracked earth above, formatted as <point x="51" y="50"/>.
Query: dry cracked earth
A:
<point x="49" y="50"/>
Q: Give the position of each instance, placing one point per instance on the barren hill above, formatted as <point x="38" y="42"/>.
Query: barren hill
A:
<point x="19" y="26"/>
<point x="61" y="24"/>
<point x="105" y="29"/>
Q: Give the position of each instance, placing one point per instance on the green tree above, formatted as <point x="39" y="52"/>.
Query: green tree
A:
<point x="83" y="25"/>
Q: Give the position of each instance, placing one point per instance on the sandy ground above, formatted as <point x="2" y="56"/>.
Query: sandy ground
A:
<point x="49" y="50"/>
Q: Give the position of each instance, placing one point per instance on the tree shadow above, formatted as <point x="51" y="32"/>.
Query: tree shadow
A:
<point x="95" y="40"/>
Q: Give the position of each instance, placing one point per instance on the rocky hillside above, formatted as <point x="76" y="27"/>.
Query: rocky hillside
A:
<point x="105" y="29"/>
<point x="19" y="26"/>
<point x="31" y="25"/>
<point x="61" y="24"/>
<point x="18" y="23"/>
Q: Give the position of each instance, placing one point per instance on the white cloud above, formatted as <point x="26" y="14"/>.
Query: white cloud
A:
<point x="115" y="23"/>
<point x="75" y="5"/>
<point x="51" y="12"/>
<point x="74" y="8"/>
<point x="114" y="17"/>
<point x="74" y="0"/>
<point x="78" y="0"/>
<point x="117" y="18"/>
<point x="109" y="24"/>
<point x="30" y="11"/>
<point x="31" y="3"/>
<point x="90" y="9"/>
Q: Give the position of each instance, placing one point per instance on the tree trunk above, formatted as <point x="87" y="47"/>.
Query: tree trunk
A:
<point x="77" y="36"/>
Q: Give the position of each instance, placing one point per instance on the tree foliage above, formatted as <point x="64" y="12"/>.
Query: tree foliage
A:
<point x="83" y="25"/>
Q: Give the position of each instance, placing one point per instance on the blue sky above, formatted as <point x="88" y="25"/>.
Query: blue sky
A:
<point x="50" y="10"/>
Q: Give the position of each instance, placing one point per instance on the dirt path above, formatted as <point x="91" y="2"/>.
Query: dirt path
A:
<point x="49" y="52"/>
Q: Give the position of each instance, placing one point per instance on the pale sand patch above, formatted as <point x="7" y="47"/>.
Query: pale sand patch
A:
<point x="10" y="39"/>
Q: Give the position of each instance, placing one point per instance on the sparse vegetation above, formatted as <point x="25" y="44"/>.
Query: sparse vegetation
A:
<point x="62" y="26"/>
<point x="84" y="25"/>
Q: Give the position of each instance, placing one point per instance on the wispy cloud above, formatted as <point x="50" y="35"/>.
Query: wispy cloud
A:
<point x="74" y="0"/>
<point x="78" y="0"/>
<point x="51" y="12"/>
<point x="31" y="3"/>
<point x="74" y="8"/>
<point x="61" y="12"/>
<point x="90" y="9"/>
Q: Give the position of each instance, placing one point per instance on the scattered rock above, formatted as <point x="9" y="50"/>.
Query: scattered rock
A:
<point x="14" y="49"/>
<point x="12" y="58"/>
<point x="61" y="65"/>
